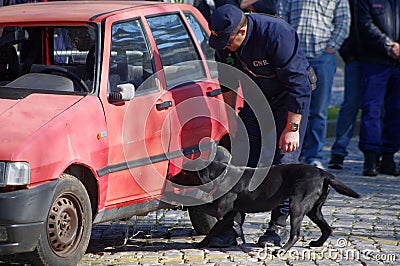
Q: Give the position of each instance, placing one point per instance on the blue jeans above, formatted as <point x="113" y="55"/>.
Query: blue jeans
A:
<point x="381" y="88"/>
<point x="349" y="108"/>
<point x="314" y="140"/>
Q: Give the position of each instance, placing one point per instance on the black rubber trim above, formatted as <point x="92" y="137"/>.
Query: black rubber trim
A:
<point x="214" y="92"/>
<point x="154" y="159"/>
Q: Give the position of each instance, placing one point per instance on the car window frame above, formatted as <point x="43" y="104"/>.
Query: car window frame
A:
<point x="211" y="63"/>
<point x="149" y="48"/>
<point x="189" y="32"/>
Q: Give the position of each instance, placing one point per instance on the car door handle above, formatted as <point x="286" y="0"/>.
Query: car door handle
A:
<point x="163" y="105"/>
<point x="214" y="92"/>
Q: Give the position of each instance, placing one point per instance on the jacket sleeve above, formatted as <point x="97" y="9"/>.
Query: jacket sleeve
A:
<point x="291" y="67"/>
<point x="341" y="22"/>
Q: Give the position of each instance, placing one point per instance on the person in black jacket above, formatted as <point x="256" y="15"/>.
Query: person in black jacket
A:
<point x="352" y="93"/>
<point x="378" y="23"/>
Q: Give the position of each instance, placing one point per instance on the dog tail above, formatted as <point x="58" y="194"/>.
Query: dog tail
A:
<point x="340" y="187"/>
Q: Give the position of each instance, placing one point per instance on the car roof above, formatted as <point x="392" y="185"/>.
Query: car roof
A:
<point x="72" y="10"/>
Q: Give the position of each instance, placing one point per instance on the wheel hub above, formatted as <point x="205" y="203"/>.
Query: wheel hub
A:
<point x="63" y="224"/>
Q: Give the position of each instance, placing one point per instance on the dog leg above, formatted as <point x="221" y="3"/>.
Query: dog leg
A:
<point x="227" y="221"/>
<point x="296" y="217"/>
<point x="238" y="225"/>
<point x="242" y="236"/>
<point x="317" y="217"/>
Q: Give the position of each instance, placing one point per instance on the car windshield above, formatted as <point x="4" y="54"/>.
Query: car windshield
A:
<point x="50" y="59"/>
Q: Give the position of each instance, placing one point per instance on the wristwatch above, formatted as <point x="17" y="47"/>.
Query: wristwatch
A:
<point x="293" y="127"/>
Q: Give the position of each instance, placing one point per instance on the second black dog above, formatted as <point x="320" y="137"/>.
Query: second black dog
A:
<point x="307" y="188"/>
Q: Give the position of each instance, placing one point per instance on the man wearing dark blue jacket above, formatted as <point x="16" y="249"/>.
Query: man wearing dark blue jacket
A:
<point x="378" y="23"/>
<point x="265" y="48"/>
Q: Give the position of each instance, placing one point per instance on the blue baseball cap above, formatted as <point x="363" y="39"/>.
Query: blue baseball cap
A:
<point x="224" y="21"/>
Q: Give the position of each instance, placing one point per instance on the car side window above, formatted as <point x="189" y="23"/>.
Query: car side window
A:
<point x="178" y="54"/>
<point x="130" y="60"/>
<point x="202" y="37"/>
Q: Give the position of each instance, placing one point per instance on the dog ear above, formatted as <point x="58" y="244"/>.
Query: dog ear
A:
<point x="204" y="176"/>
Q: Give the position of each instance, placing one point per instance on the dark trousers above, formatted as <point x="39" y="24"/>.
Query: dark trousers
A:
<point x="381" y="90"/>
<point x="280" y="214"/>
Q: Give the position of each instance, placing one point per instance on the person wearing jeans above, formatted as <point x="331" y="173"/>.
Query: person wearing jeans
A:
<point x="350" y="106"/>
<point x="347" y="116"/>
<point x="314" y="140"/>
<point x="322" y="26"/>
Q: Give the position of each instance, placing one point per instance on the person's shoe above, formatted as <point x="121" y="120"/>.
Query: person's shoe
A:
<point x="318" y="164"/>
<point x="370" y="159"/>
<point x="225" y="239"/>
<point x="336" y="162"/>
<point x="388" y="166"/>
<point x="275" y="235"/>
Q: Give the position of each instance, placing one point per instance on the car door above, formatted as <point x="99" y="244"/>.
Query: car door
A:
<point x="139" y="129"/>
<point x="195" y="113"/>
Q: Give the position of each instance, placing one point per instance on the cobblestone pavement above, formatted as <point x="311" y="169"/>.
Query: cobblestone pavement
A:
<point x="366" y="231"/>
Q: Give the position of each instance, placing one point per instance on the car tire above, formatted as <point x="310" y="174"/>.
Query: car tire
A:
<point x="67" y="228"/>
<point x="202" y="222"/>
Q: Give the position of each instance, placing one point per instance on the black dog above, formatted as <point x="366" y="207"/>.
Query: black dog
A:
<point x="307" y="188"/>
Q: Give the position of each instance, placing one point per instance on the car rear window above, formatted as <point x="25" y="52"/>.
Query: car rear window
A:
<point x="202" y="37"/>
<point x="178" y="54"/>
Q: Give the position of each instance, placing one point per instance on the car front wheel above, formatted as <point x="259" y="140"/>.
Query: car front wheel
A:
<point x="68" y="225"/>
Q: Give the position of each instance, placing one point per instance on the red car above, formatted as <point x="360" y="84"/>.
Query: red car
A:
<point x="98" y="110"/>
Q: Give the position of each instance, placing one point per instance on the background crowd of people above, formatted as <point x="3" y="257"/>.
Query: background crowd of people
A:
<point x="366" y="35"/>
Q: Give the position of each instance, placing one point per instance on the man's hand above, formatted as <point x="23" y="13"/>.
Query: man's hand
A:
<point x="329" y="50"/>
<point x="289" y="141"/>
<point x="394" y="50"/>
